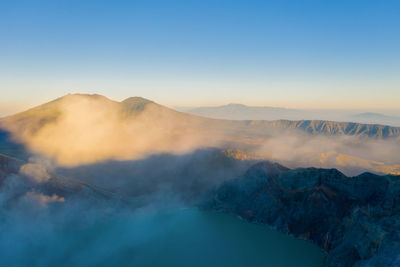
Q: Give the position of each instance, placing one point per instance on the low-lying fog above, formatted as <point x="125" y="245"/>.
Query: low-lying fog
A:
<point x="82" y="129"/>
<point x="95" y="160"/>
<point x="136" y="213"/>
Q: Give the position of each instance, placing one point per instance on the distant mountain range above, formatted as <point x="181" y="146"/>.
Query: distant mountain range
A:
<point x="243" y="112"/>
<point x="84" y="129"/>
<point x="127" y="155"/>
<point x="134" y="106"/>
<point x="372" y="117"/>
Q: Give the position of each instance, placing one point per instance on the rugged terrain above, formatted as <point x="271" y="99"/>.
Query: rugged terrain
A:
<point x="244" y="112"/>
<point x="84" y="129"/>
<point x="88" y="152"/>
<point x="356" y="220"/>
<point x="38" y="117"/>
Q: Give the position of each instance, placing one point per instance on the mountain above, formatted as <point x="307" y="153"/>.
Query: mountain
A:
<point x="38" y="117"/>
<point x="371" y="117"/>
<point x="332" y="128"/>
<point x="243" y="112"/>
<point x="356" y="220"/>
<point x="85" y="129"/>
<point x="85" y="151"/>
<point x="21" y="179"/>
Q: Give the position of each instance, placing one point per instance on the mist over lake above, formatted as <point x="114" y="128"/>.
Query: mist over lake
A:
<point x="170" y="133"/>
<point x="183" y="237"/>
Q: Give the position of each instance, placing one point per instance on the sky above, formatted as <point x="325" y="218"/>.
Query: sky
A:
<point x="296" y="54"/>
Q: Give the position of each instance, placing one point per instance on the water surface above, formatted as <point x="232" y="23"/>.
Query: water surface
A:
<point x="185" y="237"/>
<point x="197" y="238"/>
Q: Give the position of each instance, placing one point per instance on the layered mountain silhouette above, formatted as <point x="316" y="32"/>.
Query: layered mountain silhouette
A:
<point x="83" y="129"/>
<point x="244" y="112"/>
<point x="89" y="151"/>
<point x="369" y="117"/>
<point x="50" y="112"/>
<point x="236" y="111"/>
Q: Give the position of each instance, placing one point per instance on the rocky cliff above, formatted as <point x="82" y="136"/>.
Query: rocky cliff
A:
<point x="334" y="128"/>
<point x="356" y="220"/>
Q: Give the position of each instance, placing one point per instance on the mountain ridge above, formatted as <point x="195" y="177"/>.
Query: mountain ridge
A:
<point x="237" y="111"/>
<point x="82" y="129"/>
<point x="135" y="105"/>
<point x="354" y="219"/>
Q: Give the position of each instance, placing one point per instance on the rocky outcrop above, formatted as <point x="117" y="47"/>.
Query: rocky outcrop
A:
<point x="334" y="128"/>
<point x="356" y="220"/>
<point x="35" y="119"/>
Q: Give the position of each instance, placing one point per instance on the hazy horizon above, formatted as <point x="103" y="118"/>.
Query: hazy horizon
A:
<point x="335" y="55"/>
<point x="9" y="109"/>
<point x="121" y="144"/>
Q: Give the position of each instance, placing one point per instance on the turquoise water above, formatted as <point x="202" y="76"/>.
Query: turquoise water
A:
<point x="196" y="238"/>
<point x="175" y="238"/>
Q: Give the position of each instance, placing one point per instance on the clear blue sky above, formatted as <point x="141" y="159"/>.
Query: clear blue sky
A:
<point x="333" y="54"/>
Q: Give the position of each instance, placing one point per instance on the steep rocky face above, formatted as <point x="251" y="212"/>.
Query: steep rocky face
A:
<point x="86" y="129"/>
<point x="49" y="113"/>
<point x="333" y="128"/>
<point x="355" y="219"/>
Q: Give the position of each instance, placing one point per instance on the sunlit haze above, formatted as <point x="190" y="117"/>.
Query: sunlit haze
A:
<point x="165" y="133"/>
<point x="296" y="54"/>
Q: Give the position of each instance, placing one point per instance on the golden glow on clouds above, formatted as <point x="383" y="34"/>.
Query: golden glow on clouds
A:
<point x="85" y="129"/>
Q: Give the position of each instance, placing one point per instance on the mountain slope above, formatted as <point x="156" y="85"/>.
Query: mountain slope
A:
<point x="22" y="180"/>
<point x="83" y="129"/>
<point x="243" y="112"/>
<point x="355" y="219"/>
<point x="337" y="128"/>
<point x="50" y="112"/>
<point x="86" y="128"/>
<point x="370" y="117"/>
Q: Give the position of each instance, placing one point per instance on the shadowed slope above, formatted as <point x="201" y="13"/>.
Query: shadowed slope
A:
<point x="79" y="129"/>
<point x="83" y="129"/>
<point x="355" y="219"/>
<point x="47" y="113"/>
